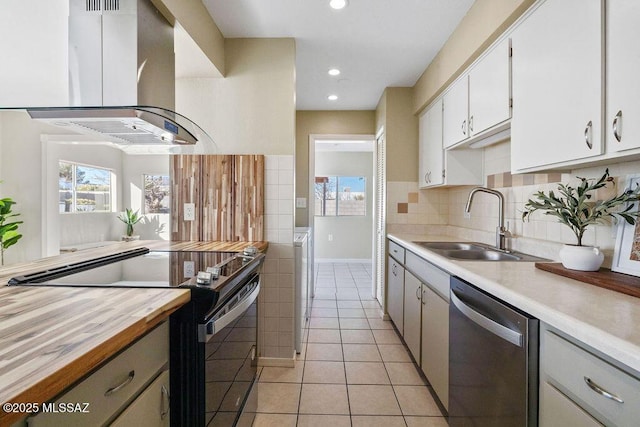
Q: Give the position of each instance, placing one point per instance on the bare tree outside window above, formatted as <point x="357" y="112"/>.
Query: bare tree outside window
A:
<point x="340" y="196"/>
<point x="156" y="194"/>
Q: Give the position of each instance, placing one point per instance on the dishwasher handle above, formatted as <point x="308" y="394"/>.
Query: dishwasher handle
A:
<point x="495" y="328"/>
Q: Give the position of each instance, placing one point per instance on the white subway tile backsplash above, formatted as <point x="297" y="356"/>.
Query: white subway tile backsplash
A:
<point x="285" y="163"/>
<point x="271" y="192"/>
<point x="285" y="192"/>
<point x="285" y="177"/>
<point x="285" y="207"/>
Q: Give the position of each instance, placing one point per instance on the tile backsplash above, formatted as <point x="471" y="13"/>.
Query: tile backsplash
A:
<point x="441" y="211"/>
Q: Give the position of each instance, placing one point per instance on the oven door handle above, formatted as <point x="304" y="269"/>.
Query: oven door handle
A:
<point x="209" y="329"/>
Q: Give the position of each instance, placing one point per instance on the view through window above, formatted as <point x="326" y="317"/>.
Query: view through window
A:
<point x="340" y="196"/>
<point x="83" y="188"/>
<point x="156" y="194"/>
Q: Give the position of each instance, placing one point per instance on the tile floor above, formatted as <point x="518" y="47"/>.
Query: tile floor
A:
<point x="354" y="370"/>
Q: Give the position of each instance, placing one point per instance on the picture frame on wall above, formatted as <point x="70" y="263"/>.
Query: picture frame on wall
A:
<point x="626" y="256"/>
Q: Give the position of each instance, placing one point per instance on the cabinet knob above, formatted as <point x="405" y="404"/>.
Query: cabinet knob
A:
<point x="587" y="134"/>
<point x="617" y="126"/>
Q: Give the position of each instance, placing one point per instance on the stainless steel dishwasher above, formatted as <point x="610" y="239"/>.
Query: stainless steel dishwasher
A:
<point x="493" y="361"/>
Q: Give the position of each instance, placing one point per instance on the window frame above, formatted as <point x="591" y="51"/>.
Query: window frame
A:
<point x="74" y="190"/>
<point x="338" y="193"/>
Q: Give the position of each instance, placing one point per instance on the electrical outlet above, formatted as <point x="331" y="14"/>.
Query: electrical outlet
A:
<point x="189" y="269"/>
<point x="330" y="237"/>
<point x="301" y="202"/>
<point x="189" y="211"/>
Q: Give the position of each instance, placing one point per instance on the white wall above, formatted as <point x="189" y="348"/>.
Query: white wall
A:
<point x="352" y="235"/>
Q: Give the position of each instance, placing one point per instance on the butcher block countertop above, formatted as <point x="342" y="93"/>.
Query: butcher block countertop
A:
<point x="51" y="337"/>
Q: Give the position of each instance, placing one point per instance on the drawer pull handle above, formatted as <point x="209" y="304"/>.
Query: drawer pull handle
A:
<point x="595" y="387"/>
<point x="165" y="406"/>
<point x="126" y="382"/>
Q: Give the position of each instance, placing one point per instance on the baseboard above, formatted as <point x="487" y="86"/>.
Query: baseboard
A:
<point x="277" y="362"/>
<point x="342" y="261"/>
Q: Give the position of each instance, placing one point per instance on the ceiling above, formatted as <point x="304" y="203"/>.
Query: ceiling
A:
<point x="375" y="43"/>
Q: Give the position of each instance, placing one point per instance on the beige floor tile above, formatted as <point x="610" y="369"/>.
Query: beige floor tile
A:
<point x="354" y="324"/>
<point x="366" y="373"/>
<point x="324" y="421"/>
<point x="323" y="323"/>
<point x="386" y="336"/>
<point x="404" y="374"/>
<point x="326" y="336"/>
<point x="361" y="353"/>
<point x="377" y="421"/>
<point x="323" y="303"/>
<point x="275" y="420"/>
<point x="380" y="324"/>
<point x="282" y="375"/>
<point x="324" y="312"/>
<point x="349" y="304"/>
<point x="324" y="372"/>
<point x="373" y="313"/>
<point x="394" y="353"/>
<point x="324" y="399"/>
<point x="357" y="336"/>
<point x="370" y="304"/>
<point x="324" y="352"/>
<point x="373" y="400"/>
<point x="280" y="398"/>
<point x="426" y="421"/>
<point x="416" y="400"/>
<point x="351" y="313"/>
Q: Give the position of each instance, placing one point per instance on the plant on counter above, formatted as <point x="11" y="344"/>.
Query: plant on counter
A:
<point x="9" y="235"/>
<point x="130" y="218"/>
<point x="574" y="208"/>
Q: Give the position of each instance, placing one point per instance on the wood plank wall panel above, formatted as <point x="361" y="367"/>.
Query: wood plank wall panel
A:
<point x="249" y="198"/>
<point x="217" y="188"/>
<point x="185" y="182"/>
<point x="229" y="197"/>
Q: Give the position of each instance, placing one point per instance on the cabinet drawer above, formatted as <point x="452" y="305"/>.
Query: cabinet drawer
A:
<point x="142" y="361"/>
<point x="568" y="367"/>
<point x="429" y="274"/>
<point x="151" y="408"/>
<point x="396" y="251"/>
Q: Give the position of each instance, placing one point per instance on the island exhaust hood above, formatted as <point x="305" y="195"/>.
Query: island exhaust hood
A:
<point x="122" y="77"/>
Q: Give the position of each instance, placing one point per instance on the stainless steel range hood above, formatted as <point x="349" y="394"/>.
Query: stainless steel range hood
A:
<point x="122" y="77"/>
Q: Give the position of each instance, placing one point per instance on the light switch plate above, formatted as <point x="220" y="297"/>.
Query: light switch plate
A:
<point x="301" y="202"/>
<point x="189" y="212"/>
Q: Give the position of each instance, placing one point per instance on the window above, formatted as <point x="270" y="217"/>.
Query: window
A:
<point x="156" y="194"/>
<point x="340" y="196"/>
<point x="83" y="188"/>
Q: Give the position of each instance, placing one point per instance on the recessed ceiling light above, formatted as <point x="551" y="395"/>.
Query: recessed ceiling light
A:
<point x="334" y="72"/>
<point x="332" y="97"/>
<point x="338" y="4"/>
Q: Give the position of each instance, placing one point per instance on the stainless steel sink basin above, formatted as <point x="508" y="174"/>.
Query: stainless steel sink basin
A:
<point x="473" y="251"/>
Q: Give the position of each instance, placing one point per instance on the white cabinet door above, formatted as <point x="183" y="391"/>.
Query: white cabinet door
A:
<point x="623" y="84"/>
<point x="557" y="84"/>
<point x="435" y="342"/>
<point x="412" y="309"/>
<point x="489" y="90"/>
<point x="456" y="112"/>
<point x="151" y="408"/>
<point x="395" y="293"/>
<point x="430" y="150"/>
<point x="557" y="410"/>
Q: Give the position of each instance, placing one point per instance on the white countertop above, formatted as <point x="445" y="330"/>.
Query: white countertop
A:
<point x="606" y="320"/>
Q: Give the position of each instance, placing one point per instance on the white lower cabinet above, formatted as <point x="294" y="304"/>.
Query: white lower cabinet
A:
<point x="607" y="393"/>
<point x="151" y="408"/>
<point x="435" y="342"/>
<point x="115" y="386"/>
<point x="395" y="294"/>
<point x="412" y="313"/>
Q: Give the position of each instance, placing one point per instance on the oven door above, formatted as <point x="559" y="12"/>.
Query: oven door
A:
<point x="230" y="345"/>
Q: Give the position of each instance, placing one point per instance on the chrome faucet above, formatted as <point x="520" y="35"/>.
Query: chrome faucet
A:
<point x="502" y="233"/>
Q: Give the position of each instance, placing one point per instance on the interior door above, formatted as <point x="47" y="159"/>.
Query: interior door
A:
<point x="379" y="220"/>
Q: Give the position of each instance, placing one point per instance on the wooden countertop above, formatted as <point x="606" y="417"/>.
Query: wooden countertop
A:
<point x="51" y="337"/>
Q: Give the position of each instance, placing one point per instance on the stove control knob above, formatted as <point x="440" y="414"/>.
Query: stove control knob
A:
<point x="204" y="278"/>
<point x="215" y="272"/>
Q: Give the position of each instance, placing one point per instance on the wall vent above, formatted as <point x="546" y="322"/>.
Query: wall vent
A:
<point x="92" y="5"/>
<point x="111" y="4"/>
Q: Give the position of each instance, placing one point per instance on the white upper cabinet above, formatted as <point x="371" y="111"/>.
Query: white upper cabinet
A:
<point x="622" y="125"/>
<point x="456" y="112"/>
<point x="489" y="90"/>
<point x="557" y="78"/>
<point x="430" y="149"/>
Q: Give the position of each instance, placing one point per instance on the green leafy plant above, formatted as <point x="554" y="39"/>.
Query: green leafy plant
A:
<point x="130" y="218"/>
<point x="574" y="208"/>
<point x="9" y="235"/>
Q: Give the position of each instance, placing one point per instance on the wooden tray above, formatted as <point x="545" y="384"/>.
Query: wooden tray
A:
<point x="603" y="278"/>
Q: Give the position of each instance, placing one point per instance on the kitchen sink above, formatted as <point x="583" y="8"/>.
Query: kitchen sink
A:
<point x="474" y="251"/>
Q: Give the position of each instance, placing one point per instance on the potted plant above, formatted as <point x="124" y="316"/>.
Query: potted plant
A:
<point x="575" y="208"/>
<point x="130" y="218"/>
<point x="9" y="235"/>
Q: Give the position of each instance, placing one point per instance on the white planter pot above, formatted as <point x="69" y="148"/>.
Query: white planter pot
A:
<point x="583" y="258"/>
<point x="130" y="238"/>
